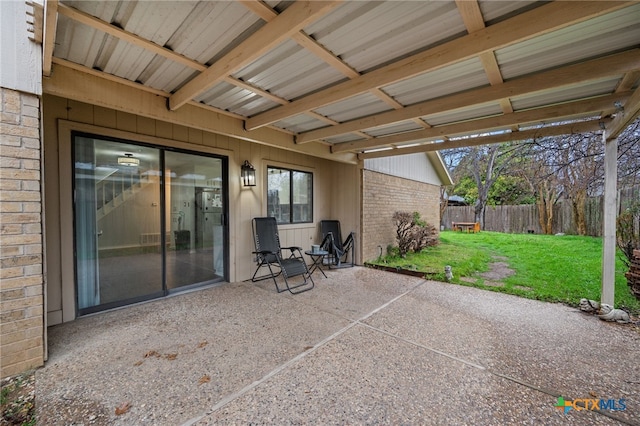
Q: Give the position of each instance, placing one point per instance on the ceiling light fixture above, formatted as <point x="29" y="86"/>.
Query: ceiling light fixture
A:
<point x="128" y="160"/>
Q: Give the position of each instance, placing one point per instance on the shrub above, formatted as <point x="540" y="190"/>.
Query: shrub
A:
<point x="412" y="233"/>
<point x="628" y="231"/>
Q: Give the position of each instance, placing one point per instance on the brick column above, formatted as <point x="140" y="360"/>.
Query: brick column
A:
<point x="21" y="261"/>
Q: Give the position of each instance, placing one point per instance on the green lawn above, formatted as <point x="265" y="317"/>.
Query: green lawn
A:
<point x="547" y="267"/>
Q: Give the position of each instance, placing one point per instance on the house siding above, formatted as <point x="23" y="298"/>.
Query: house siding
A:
<point x="244" y="203"/>
<point x="21" y="255"/>
<point x="383" y="195"/>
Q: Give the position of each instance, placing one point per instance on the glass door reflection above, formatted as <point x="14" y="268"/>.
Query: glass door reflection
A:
<point x="195" y="215"/>
<point x="117" y="223"/>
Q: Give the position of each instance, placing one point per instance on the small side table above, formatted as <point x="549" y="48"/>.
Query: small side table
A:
<point x="316" y="257"/>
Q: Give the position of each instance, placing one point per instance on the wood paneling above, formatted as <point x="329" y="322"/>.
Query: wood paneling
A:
<point x="336" y="187"/>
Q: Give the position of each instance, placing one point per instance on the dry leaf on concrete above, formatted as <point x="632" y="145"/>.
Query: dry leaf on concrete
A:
<point x="123" y="408"/>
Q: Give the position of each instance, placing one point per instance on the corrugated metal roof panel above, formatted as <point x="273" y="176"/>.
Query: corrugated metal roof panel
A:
<point x="235" y="99"/>
<point x="602" y="35"/>
<point x="540" y="125"/>
<point x="300" y="123"/>
<point x="166" y="75"/>
<point x="462" y="114"/>
<point x="77" y="43"/>
<point x="458" y="77"/>
<point x="368" y="34"/>
<point x="289" y="71"/>
<point x="198" y="30"/>
<point x="349" y="137"/>
<point x="593" y="88"/>
<point x="495" y="11"/>
<point x="354" y="107"/>
<point x="405" y="126"/>
<point x="212" y="29"/>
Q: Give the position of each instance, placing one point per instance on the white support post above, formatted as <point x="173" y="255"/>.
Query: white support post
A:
<point x="609" y="225"/>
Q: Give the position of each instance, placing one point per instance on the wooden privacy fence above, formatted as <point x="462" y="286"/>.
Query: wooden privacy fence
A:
<point x="524" y="218"/>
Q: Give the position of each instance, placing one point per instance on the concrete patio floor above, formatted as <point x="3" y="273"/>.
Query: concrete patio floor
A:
<point x="363" y="347"/>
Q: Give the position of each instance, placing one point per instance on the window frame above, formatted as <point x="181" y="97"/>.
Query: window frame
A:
<point x="291" y="171"/>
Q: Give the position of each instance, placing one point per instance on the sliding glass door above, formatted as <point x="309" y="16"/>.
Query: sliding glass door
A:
<point x="196" y="205"/>
<point x="147" y="221"/>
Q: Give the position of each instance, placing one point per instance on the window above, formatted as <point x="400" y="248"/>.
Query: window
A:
<point x="289" y="195"/>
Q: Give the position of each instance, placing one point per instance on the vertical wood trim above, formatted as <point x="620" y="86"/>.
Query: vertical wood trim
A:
<point x="609" y="224"/>
<point x="66" y="223"/>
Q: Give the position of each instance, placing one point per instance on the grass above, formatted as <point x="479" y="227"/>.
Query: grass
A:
<point x="17" y="400"/>
<point x="547" y="267"/>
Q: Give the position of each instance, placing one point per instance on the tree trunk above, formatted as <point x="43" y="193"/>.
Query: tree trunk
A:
<point x="444" y="202"/>
<point x="545" y="202"/>
<point x="577" y="203"/>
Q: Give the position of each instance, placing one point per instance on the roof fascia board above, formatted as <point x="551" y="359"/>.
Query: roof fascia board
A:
<point x="436" y="161"/>
<point x="49" y="36"/>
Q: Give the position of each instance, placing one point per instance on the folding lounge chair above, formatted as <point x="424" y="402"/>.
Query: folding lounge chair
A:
<point x="338" y="249"/>
<point x="269" y="253"/>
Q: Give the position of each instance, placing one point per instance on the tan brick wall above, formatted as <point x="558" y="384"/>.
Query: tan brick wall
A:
<point x="382" y="196"/>
<point x="21" y="275"/>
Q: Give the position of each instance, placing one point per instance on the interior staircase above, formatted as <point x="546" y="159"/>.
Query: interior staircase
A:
<point x="116" y="188"/>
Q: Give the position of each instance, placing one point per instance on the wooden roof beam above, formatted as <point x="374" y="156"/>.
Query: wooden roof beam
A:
<point x="127" y="36"/>
<point x="538" y="21"/>
<point x="625" y="116"/>
<point x="289" y="22"/>
<point x="551" y="113"/>
<point x="303" y="39"/>
<point x="565" y="129"/>
<point x="617" y="64"/>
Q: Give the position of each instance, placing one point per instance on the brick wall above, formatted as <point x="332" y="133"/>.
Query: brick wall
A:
<point x="21" y="275"/>
<point x="382" y="196"/>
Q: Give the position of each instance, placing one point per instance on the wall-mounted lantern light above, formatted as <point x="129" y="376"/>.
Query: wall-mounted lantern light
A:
<point x="248" y="174"/>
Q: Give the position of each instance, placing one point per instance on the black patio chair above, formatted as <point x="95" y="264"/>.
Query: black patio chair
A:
<point x="337" y="248"/>
<point x="269" y="254"/>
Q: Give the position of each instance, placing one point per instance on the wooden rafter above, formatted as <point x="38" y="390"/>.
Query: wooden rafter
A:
<point x="294" y="18"/>
<point x="132" y="84"/>
<point x="565" y="129"/>
<point x="551" y="113"/>
<point x="129" y="37"/>
<point x="538" y="21"/>
<point x="473" y="20"/>
<point x="303" y="39"/>
<point x="573" y="74"/>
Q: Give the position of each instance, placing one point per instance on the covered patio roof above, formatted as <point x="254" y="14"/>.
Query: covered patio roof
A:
<point x="353" y="79"/>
